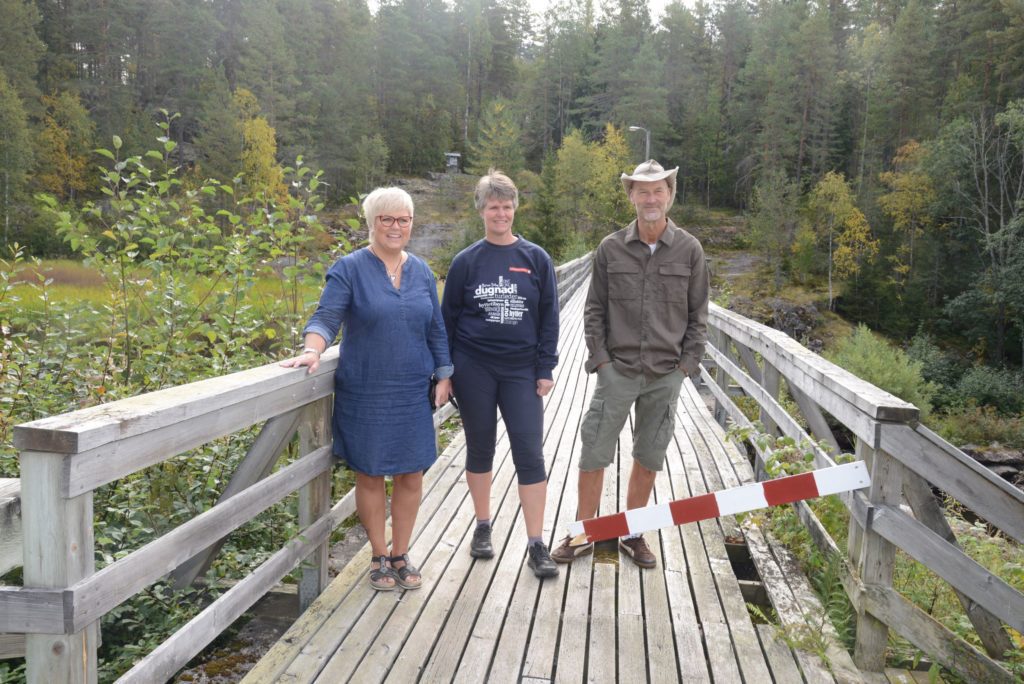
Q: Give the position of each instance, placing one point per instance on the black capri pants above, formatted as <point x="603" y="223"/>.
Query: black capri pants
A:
<point x="483" y="388"/>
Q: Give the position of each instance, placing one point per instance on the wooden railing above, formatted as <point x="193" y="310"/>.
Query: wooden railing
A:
<point x="906" y="460"/>
<point x="65" y="458"/>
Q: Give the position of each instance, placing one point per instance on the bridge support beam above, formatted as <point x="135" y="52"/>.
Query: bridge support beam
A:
<point x="315" y="498"/>
<point x="58" y="545"/>
<point x="876" y="559"/>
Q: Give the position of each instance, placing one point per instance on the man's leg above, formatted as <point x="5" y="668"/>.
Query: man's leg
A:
<point x="591" y="483"/>
<point x="641" y="482"/>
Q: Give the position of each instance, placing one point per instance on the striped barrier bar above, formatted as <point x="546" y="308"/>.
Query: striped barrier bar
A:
<point x="840" y="478"/>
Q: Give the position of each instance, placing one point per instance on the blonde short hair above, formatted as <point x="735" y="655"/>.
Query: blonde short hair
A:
<point x="495" y="185"/>
<point x="384" y="200"/>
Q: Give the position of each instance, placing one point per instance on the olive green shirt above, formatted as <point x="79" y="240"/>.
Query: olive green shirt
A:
<point x="647" y="313"/>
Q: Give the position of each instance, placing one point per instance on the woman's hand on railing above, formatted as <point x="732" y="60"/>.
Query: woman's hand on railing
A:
<point x="308" y="357"/>
<point x="442" y="392"/>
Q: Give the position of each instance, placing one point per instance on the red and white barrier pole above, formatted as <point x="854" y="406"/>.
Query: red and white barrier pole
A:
<point x="840" y="478"/>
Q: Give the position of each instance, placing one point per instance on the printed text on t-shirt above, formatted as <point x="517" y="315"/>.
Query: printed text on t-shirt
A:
<point x="501" y="302"/>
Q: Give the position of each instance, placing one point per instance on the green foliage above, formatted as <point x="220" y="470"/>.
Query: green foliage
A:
<point x="996" y="387"/>
<point x="498" y="144"/>
<point x="980" y="425"/>
<point x="16" y="153"/>
<point x="890" y="368"/>
<point x="774" y="220"/>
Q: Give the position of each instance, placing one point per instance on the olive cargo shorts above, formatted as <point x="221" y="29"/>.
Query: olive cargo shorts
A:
<point x="609" y="407"/>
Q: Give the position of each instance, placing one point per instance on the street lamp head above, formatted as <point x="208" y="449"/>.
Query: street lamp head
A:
<point x="637" y="128"/>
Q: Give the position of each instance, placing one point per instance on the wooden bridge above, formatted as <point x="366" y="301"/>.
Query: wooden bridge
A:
<point x="602" y="619"/>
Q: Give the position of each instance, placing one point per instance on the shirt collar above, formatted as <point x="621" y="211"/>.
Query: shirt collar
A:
<point x="668" y="235"/>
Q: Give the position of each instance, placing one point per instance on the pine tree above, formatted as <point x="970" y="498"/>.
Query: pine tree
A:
<point x="498" y="142"/>
<point x="15" y="151"/>
<point x="22" y="49"/>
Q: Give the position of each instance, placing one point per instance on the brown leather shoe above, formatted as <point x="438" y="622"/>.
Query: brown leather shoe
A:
<point x="566" y="553"/>
<point x="639" y="551"/>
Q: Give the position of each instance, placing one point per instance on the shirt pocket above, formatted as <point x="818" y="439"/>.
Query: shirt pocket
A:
<point x="623" y="280"/>
<point x="673" y="282"/>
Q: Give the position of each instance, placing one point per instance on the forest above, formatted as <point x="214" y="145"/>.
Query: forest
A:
<point x="203" y="158"/>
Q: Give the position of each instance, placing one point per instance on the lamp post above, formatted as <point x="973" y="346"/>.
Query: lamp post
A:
<point x="647" y="140"/>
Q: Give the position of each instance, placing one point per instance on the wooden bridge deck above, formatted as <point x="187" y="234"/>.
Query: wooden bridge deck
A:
<point x="602" y="618"/>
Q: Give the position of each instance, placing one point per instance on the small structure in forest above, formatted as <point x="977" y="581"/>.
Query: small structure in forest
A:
<point x="451" y="162"/>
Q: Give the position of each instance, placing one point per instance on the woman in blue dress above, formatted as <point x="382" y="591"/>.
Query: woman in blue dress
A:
<point x="393" y="341"/>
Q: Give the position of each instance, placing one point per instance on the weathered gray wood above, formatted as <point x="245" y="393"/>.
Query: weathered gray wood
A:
<point x="117" y="421"/>
<point x="12" y="646"/>
<point x="959" y="475"/>
<point x="59" y="552"/>
<point x="929" y="513"/>
<point x="812" y="370"/>
<point x="815" y="419"/>
<point x="772" y="383"/>
<point x="183" y="645"/>
<point x="315" y="497"/>
<point x="10" y="524"/>
<point x="99" y="593"/>
<point x="780" y="658"/>
<point x="782" y="420"/>
<point x="876" y="563"/>
<point x="932" y="637"/>
<point x="718" y="352"/>
<point x="32" y="610"/>
<point x="256" y="465"/>
<point x="949" y="562"/>
<point x="601" y="665"/>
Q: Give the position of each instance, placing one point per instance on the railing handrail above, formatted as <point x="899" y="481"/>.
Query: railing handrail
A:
<point x="905" y="456"/>
<point x="66" y="457"/>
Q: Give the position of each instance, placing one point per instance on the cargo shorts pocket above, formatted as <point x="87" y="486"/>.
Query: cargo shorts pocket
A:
<point x="590" y="429"/>
<point x="664" y="434"/>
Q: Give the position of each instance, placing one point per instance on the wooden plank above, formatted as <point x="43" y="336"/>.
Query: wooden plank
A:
<point x="97" y="594"/>
<point x="780" y="658"/>
<point x="256" y="465"/>
<point x="601" y="649"/>
<point x="115" y="422"/>
<point x="634" y="659"/>
<point x="693" y="666"/>
<point x="876" y="563"/>
<point x="772" y="384"/>
<point x="32" y="610"/>
<point x="173" y="654"/>
<point x="950" y="563"/>
<point x="10" y="524"/>
<point x="315" y="432"/>
<point x="12" y="646"/>
<point x="59" y="533"/>
<point x="359" y="634"/>
<point x="930" y="514"/>
<point x="959" y="475"/>
<point x="787" y="606"/>
<point x="815" y="419"/>
<point x="932" y="637"/>
<point x="811" y="370"/>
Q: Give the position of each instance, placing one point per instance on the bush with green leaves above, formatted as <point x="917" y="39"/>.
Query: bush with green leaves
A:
<point x="873" y="359"/>
<point x="999" y="388"/>
<point x="180" y="259"/>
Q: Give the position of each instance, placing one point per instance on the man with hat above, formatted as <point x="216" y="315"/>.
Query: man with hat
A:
<point x="645" y="324"/>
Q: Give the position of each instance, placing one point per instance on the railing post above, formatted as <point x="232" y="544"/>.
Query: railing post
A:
<point x="58" y="543"/>
<point x="721" y="379"/>
<point x="772" y="382"/>
<point x="876" y="561"/>
<point x="315" y="498"/>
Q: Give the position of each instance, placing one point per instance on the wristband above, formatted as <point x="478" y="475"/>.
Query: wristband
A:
<point x="310" y="349"/>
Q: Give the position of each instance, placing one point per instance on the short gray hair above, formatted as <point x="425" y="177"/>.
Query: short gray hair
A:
<point x="495" y="185"/>
<point x="385" y="199"/>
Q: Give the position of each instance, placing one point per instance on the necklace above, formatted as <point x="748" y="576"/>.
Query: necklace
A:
<point x="393" y="275"/>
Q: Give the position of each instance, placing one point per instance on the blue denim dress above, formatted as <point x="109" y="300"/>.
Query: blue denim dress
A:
<point x="392" y="341"/>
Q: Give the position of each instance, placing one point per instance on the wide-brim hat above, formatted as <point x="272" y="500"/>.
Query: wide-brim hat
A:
<point x="650" y="170"/>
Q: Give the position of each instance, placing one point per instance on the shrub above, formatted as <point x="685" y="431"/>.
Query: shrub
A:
<point x="996" y="387"/>
<point x="890" y="368"/>
<point x="980" y="425"/>
<point x="937" y="366"/>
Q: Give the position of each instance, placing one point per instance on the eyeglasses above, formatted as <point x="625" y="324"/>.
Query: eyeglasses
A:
<point x="402" y="221"/>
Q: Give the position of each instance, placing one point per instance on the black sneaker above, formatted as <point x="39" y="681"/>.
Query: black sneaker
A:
<point x="481" y="545"/>
<point x="540" y="561"/>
